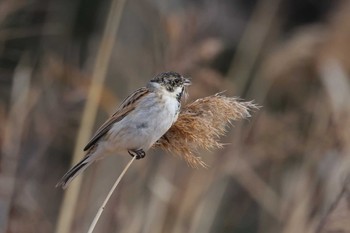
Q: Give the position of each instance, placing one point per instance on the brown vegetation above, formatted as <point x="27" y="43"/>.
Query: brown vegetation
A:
<point x="200" y="125"/>
<point x="284" y="170"/>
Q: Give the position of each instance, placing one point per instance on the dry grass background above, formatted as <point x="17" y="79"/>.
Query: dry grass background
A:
<point x="285" y="169"/>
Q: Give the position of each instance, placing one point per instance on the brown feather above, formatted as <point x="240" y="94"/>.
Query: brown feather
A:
<point x="123" y="110"/>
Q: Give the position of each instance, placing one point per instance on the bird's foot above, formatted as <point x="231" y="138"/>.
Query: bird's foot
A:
<point x="140" y="154"/>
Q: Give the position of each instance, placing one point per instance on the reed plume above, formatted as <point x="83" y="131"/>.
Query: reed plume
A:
<point x="201" y="124"/>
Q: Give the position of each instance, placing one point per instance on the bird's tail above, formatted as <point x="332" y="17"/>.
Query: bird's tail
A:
<point x="74" y="171"/>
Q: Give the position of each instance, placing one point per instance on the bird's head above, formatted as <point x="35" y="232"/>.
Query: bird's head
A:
<point x="170" y="82"/>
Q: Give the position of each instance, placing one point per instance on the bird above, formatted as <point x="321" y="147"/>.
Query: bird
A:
<point x="140" y="120"/>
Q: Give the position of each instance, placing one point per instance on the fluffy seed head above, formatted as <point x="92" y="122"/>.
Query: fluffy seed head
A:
<point x="200" y="125"/>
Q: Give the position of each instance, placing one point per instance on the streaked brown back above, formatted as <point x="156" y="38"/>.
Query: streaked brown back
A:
<point x="123" y="110"/>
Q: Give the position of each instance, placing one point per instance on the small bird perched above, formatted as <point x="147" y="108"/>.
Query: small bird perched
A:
<point x="141" y="119"/>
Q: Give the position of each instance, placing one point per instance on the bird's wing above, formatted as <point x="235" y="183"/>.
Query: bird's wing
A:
<point x="123" y="110"/>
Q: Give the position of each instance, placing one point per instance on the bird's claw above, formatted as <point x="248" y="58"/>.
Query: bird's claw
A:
<point x="140" y="154"/>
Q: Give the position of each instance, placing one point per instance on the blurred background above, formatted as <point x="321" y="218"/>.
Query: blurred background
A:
<point x="65" y="65"/>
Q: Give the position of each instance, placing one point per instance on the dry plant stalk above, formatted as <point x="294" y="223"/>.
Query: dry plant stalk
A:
<point x="200" y="125"/>
<point x="101" y="209"/>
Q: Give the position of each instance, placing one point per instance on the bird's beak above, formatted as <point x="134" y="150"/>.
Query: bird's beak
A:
<point x="187" y="82"/>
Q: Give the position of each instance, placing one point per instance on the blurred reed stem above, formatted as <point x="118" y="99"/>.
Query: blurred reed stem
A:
<point x="252" y="43"/>
<point x="333" y="206"/>
<point x="89" y="115"/>
<point x="258" y="189"/>
<point x="21" y="103"/>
